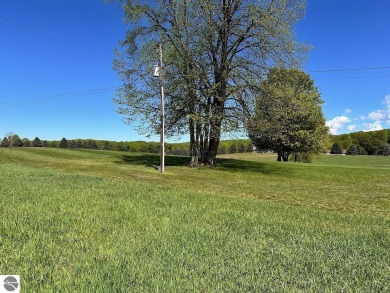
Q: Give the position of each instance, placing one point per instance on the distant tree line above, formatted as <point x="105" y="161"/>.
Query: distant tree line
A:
<point x="361" y="143"/>
<point x="183" y="149"/>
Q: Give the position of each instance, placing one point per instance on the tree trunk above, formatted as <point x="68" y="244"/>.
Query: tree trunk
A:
<point x="194" y="145"/>
<point x="215" y="138"/>
<point x="285" y="156"/>
<point x="211" y="159"/>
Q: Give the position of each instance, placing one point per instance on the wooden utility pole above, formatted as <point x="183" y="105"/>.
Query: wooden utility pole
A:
<point x="162" y="106"/>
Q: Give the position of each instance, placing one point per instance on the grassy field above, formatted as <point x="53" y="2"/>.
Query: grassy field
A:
<point x="99" y="221"/>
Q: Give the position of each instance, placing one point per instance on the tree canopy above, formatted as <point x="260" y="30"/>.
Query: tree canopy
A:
<point x="216" y="53"/>
<point x="288" y="114"/>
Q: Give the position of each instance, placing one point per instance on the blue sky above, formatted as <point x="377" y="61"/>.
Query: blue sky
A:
<point x="56" y="77"/>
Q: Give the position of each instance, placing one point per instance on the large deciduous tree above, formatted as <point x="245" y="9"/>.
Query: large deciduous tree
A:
<point x="216" y="52"/>
<point x="288" y="114"/>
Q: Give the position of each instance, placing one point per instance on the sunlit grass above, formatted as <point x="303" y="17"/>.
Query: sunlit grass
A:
<point x="96" y="221"/>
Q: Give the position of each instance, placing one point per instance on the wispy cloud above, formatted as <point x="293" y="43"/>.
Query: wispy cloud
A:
<point x="377" y="125"/>
<point x="337" y="123"/>
<point x="375" y="120"/>
<point x="378" y="115"/>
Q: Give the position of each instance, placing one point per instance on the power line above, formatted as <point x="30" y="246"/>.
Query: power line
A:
<point x="77" y="20"/>
<point x="350" y="69"/>
<point x="353" y="77"/>
<point x="61" y="96"/>
<point x="54" y="38"/>
<point x="352" y="38"/>
<point x="347" y="13"/>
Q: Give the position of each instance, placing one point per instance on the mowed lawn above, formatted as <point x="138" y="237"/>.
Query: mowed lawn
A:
<point x="100" y="221"/>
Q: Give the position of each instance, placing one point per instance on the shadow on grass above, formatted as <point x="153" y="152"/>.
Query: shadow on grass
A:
<point x="223" y="164"/>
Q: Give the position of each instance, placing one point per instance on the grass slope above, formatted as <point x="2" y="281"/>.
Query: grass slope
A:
<point x="98" y="221"/>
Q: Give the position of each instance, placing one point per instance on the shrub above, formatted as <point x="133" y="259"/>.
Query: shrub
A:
<point x="384" y="149"/>
<point x="336" y="149"/>
<point x="304" y="157"/>
<point x="63" y="143"/>
<point x="5" y="142"/>
<point x="36" y="142"/>
<point x="15" y="141"/>
<point x="352" y="150"/>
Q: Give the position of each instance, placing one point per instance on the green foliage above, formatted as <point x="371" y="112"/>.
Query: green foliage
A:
<point x="336" y="149"/>
<point x="368" y="143"/>
<point x="5" y="143"/>
<point x="26" y="142"/>
<point x="63" y="143"/>
<point x="352" y="150"/>
<point x="288" y="116"/>
<point x="361" y="150"/>
<point x="384" y="150"/>
<point x="37" y="142"/>
<point x="15" y="141"/>
<point x="249" y="148"/>
<point x="232" y="148"/>
<point x="344" y="140"/>
<point x="304" y="157"/>
<point x="215" y="55"/>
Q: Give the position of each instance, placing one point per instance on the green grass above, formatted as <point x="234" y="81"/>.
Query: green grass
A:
<point x="98" y="221"/>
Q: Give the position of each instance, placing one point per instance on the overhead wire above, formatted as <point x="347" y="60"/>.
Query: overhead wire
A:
<point x="96" y="91"/>
<point x="77" y="20"/>
<point x="55" y="39"/>
<point x="353" y="77"/>
<point x="60" y="96"/>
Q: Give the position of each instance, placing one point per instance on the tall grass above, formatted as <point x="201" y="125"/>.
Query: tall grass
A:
<point x="90" y="221"/>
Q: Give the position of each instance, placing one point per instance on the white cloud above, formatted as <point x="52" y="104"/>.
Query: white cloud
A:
<point x="348" y="111"/>
<point x="378" y="115"/>
<point x="377" y="125"/>
<point x="351" y="127"/>
<point x="337" y="123"/>
<point x="387" y="103"/>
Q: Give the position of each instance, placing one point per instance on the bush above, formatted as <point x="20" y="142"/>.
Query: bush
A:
<point x="336" y="149"/>
<point x="63" y="143"/>
<point x="304" y="157"/>
<point x="232" y="149"/>
<point x="5" y="142"/>
<point x="15" y="141"/>
<point x="36" y="142"/>
<point x="384" y="149"/>
<point x="352" y="150"/>
<point x="361" y="150"/>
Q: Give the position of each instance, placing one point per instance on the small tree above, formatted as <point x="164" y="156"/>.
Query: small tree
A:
<point x="63" y="143"/>
<point x="37" y="143"/>
<point x="232" y="148"/>
<point x="26" y="142"/>
<point x="288" y="116"/>
<point x="336" y="149"/>
<point x="384" y="149"/>
<point x="352" y="150"/>
<point x="15" y="141"/>
<point x="249" y="148"/>
<point x="5" y="142"/>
